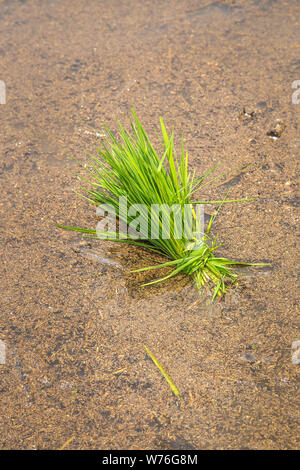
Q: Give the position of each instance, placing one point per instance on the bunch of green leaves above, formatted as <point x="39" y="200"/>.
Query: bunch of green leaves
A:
<point x="129" y="166"/>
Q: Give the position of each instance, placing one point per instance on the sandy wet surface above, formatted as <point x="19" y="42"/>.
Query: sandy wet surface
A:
<point x="74" y="327"/>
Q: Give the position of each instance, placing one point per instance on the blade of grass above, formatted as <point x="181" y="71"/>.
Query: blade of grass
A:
<point x="163" y="372"/>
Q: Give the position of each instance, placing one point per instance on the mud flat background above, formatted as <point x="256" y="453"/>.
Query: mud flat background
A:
<point x="76" y="371"/>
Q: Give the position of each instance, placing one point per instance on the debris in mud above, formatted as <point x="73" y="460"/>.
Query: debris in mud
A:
<point x="91" y="255"/>
<point x="277" y="130"/>
<point x="296" y="352"/>
<point x="2" y="352"/>
<point x="244" y="114"/>
<point x="97" y="134"/>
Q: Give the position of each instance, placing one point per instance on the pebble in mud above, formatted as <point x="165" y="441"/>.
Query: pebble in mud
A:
<point x="276" y="130"/>
<point x="2" y="352"/>
<point x="296" y="352"/>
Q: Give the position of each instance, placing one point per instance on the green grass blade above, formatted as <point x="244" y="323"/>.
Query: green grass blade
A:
<point x="163" y="372"/>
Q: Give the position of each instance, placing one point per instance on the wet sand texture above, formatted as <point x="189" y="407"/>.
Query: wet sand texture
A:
<point x="75" y="370"/>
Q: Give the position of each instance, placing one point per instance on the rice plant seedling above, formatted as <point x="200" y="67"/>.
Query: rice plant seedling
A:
<point x="129" y="166"/>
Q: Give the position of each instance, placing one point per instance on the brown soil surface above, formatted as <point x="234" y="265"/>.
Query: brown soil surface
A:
<point x="74" y="328"/>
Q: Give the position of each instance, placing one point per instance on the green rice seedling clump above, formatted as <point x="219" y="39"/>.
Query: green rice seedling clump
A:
<point x="129" y="166"/>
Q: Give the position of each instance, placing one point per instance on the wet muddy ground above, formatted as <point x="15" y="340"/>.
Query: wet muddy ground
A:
<point x="76" y="372"/>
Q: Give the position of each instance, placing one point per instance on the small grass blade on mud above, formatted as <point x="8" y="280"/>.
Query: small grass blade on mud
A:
<point x="163" y="372"/>
<point x="67" y="443"/>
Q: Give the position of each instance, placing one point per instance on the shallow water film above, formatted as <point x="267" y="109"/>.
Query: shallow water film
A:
<point x="73" y="320"/>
